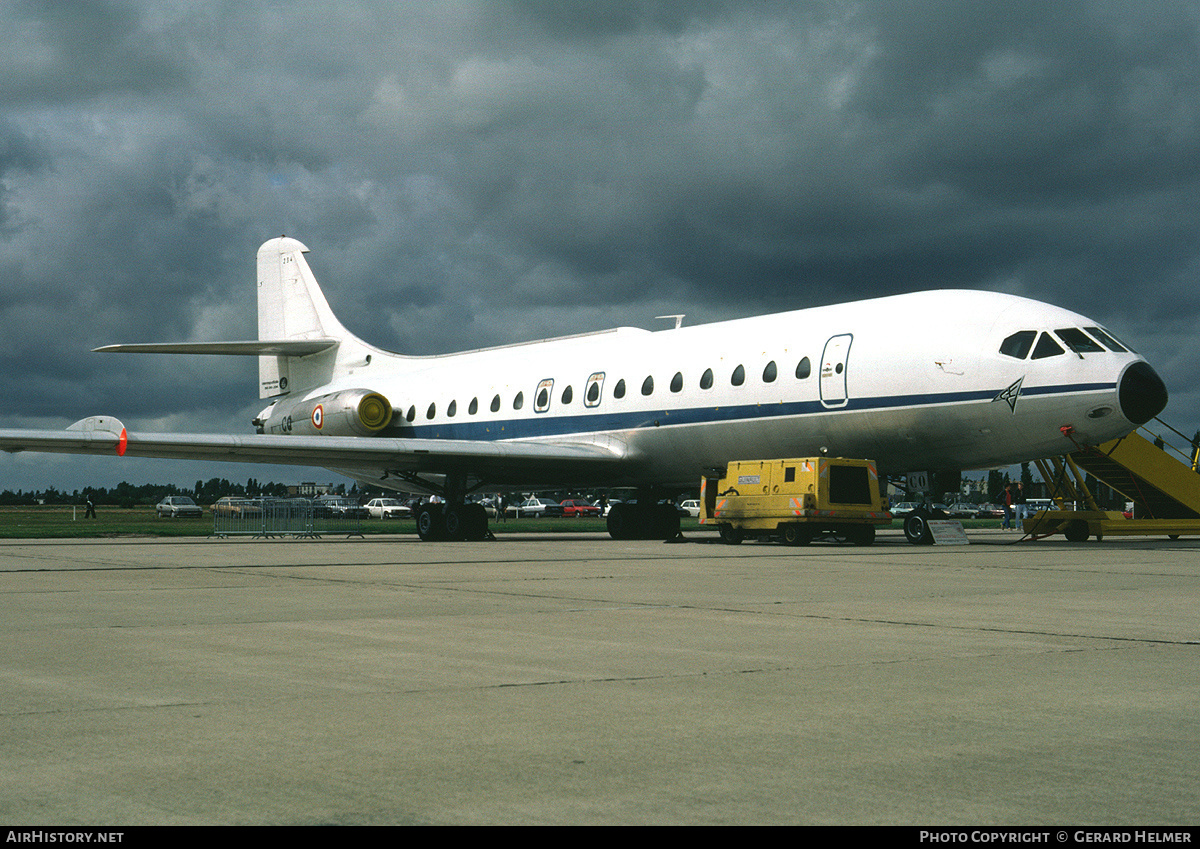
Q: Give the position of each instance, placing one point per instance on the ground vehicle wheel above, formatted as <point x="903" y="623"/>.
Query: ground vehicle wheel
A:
<point x="916" y="527"/>
<point x="729" y="534"/>
<point x="862" y="535"/>
<point x="1076" y="530"/>
<point x="796" y="535"/>
<point x="429" y="522"/>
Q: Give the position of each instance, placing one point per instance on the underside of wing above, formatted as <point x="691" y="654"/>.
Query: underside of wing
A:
<point x="251" y="348"/>
<point x="508" y="463"/>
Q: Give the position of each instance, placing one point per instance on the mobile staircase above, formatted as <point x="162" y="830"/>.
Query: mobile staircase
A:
<point x="1158" y="476"/>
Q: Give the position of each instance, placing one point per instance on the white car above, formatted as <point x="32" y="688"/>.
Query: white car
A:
<point x="387" y="508"/>
<point x="178" y="507"/>
<point x="535" y="507"/>
<point x="691" y="507"/>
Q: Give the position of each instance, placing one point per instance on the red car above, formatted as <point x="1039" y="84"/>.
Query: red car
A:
<point x="579" y="508"/>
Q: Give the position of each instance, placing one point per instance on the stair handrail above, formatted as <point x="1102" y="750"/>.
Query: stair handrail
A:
<point x="1190" y="457"/>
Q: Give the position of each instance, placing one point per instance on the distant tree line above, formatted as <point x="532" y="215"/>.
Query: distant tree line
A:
<point x="128" y="495"/>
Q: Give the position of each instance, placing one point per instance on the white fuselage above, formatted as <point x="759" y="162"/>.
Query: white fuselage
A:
<point x="915" y="382"/>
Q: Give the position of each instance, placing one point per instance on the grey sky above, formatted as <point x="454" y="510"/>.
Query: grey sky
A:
<point x="474" y="173"/>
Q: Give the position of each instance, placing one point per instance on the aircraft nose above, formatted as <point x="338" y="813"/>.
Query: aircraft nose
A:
<point x="1142" y="393"/>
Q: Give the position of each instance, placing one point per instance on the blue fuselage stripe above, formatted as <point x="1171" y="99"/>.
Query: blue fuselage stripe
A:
<point x="545" y="424"/>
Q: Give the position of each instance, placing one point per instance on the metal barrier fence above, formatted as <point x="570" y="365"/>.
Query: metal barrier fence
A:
<point x="279" y="517"/>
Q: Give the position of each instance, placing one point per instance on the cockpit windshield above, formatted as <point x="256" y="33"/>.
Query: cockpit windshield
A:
<point x="1019" y="344"/>
<point x="1106" y="339"/>
<point x="1078" y="341"/>
<point x="1047" y="347"/>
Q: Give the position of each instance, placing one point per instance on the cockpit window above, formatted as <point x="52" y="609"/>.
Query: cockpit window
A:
<point x="1047" y="347"/>
<point x="1018" y="344"/>
<point x="1078" y="341"/>
<point x="1106" y="340"/>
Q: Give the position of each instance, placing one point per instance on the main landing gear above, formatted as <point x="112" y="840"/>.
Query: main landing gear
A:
<point x="452" y="522"/>
<point x="643" y="519"/>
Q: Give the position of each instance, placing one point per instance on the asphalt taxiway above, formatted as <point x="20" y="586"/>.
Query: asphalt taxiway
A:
<point x="576" y="679"/>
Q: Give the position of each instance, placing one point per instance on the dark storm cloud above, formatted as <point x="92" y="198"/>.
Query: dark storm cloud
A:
<point x="70" y="51"/>
<point x="470" y="174"/>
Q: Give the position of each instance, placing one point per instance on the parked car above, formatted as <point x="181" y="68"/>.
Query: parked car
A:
<point x="902" y="509"/>
<point x="989" y="511"/>
<point x="387" y="508"/>
<point x="178" y="507"/>
<point x="231" y="506"/>
<point x="339" y="506"/>
<point x="577" y="508"/>
<point x="961" y="510"/>
<point x="691" y="508"/>
<point x="535" y="507"/>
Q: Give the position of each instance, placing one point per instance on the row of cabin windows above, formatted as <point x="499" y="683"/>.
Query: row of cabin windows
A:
<point x="737" y="378"/>
<point x="1019" y="344"/>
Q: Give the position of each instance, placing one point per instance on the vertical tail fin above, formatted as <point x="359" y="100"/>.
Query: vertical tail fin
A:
<point x="291" y="307"/>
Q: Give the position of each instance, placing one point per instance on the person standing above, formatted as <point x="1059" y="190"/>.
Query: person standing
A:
<point x="90" y="511"/>
<point x="1022" y="503"/>
<point x="1007" y="503"/>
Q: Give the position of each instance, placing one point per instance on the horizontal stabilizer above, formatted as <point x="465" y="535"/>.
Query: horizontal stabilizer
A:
<point x="253" y="348"/>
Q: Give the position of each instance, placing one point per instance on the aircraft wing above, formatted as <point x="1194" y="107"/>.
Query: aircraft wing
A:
<point x="514" y="461"/>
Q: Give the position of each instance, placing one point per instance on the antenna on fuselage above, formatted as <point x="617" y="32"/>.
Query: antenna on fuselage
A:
<point x="678" y="319"/>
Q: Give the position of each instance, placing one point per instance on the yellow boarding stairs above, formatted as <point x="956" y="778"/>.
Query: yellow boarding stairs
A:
<point x="1160" y="479"/>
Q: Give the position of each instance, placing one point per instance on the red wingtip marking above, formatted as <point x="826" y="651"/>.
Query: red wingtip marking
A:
<point x="122" y="442"/>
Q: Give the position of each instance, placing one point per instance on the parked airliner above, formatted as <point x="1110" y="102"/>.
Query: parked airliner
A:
<point x="939" y="380"/>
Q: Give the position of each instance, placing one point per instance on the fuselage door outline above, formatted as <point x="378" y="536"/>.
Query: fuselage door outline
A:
<point x="833" y="370"/>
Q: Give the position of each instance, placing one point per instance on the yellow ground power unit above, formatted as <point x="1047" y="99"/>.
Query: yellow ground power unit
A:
<point x="795" y="500"/>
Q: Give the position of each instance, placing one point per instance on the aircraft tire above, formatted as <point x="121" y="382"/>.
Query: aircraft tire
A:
<point x="622" y="522"/>
<point x="455" y="522"/>
<point x="663" y="522"/>
<point x="475" y="522"/>
<point x="430" y="526"/>
<point x="916" y="527"/>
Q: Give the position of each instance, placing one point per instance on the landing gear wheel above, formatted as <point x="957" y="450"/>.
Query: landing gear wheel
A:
<point x="456" y="522"/>
<point x="730" y="535"/>
<point x="622" y="521"/>
<point x="475" y="522"/>
<point x="1076" y="531"/>
<point x="430" y="526"/>
<point x="796" y="535"/>
<point x="916" y="527"/>
<point x="663" y="522"/>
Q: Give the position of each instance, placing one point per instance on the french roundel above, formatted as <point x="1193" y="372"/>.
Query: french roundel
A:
<point x="318" y="416"/>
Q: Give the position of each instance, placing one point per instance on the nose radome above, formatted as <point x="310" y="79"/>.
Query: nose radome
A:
<point x="1142" y="393"/>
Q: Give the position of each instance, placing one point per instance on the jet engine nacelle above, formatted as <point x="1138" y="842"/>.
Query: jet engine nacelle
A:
<point x="351" y="412"/>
